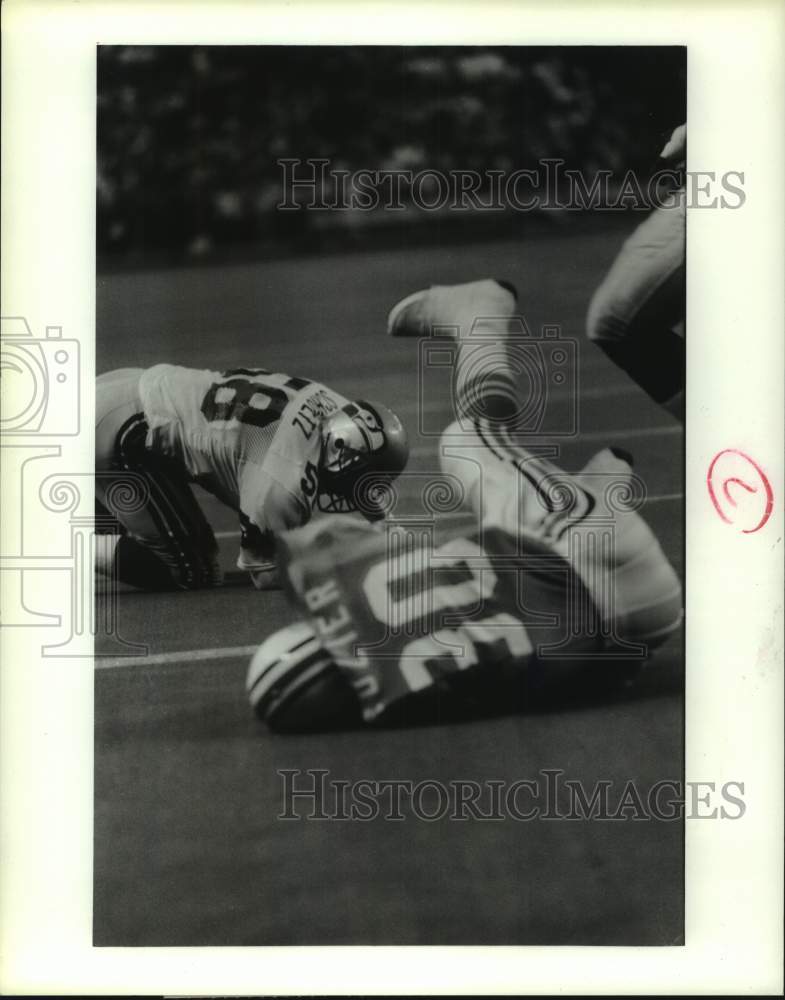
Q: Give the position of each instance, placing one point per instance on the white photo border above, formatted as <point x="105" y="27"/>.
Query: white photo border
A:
<point x="734" y="688"/>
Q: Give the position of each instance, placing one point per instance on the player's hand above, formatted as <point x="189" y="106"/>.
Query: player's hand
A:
<point x="266" y="579"/>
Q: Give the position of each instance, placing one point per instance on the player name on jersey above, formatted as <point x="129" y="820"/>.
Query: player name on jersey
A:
<point x="400" y="615"/>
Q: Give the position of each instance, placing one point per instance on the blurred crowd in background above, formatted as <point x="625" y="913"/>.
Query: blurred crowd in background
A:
<point x="190" y="138"/>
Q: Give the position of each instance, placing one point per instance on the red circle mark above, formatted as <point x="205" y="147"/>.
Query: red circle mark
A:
<point x="727" y="509"/>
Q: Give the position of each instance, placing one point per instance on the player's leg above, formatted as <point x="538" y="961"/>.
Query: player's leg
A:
<point x="513" y="486"/>
<point x="171" y="525"/>
<point x="637" y="314"/>
<point x="481" y="317"/>
<point x="163" y="540"/>
<point x="580" y="516"/>
<point x="116" y="400"/>
<point x="117" y="496"/>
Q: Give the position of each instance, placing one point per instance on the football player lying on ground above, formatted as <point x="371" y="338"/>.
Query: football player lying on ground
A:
<point x="560" y="584"/>
<point x="637" y="314"/>
<point x="272" y="447"/>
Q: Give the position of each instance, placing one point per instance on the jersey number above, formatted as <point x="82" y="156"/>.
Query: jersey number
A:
<point x="489" y="638"/>
<point x="247" y="400"/>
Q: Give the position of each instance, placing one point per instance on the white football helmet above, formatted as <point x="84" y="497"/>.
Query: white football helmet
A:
<point x="284" y="662"/>
<point x="294" y="685"/>
<point x="360" y="439"/>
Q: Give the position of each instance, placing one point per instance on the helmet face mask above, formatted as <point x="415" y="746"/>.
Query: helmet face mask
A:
<point x="359" y="439"/>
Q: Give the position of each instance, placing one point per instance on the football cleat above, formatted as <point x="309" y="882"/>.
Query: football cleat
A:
<point x="361" y="442"/>
<point x="482" y="317"/>
<point x="450" y="306"/>
<point x="294" y="686"/>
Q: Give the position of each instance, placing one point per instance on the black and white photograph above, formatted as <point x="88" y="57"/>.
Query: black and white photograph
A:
<point x="389" y="468"/>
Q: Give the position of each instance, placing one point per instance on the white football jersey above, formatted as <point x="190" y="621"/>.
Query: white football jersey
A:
<point x="249" y="436"/>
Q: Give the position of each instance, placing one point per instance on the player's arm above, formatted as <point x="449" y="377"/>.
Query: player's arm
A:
<point x="279" y="512"/>
<point x="257" y="554"/>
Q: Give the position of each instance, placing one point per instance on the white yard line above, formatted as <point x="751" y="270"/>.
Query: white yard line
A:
<point x="663" y="497"/>
<point x="180" y="656"/>
<point x="232" y="652"/>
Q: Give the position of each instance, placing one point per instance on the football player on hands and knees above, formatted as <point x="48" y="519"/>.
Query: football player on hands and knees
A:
<point x="558" y="584"/>
<point x="273" y="448"/>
